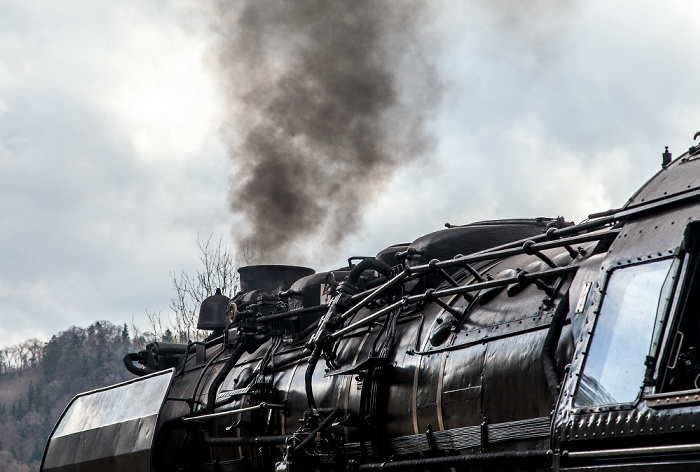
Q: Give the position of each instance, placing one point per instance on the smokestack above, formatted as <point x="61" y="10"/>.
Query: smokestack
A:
<point x="666" y="158"/>
<point x="326" y="101"/>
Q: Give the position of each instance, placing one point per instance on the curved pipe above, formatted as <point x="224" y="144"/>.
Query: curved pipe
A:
<point x="221" y="376"/>
<point x="549" y="347"/>
<point x="309" y="376"/>
<point x="368" y="264"/>
<point x="353" y="278"/>
<point x="129" y="363"/>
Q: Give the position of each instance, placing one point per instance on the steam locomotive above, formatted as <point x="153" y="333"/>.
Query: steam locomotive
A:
<point x="530" y="344"/>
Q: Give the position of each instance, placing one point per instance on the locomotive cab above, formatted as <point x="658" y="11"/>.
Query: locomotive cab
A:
<point x="631" y="399"/>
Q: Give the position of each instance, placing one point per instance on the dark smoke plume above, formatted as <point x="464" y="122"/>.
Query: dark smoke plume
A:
<point x="326" y="100"/>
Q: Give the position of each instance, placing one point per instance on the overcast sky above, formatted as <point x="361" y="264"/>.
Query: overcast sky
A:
<point x="112" y="159"/>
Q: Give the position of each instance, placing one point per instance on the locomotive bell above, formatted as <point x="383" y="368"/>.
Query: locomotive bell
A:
<point x="212" y="312"/>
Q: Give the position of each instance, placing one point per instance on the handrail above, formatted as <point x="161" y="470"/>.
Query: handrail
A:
<point x="522" y="277"/>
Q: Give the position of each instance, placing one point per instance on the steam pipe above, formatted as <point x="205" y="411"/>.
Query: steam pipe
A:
<point x="201" y="376"/>
<point x="528" y="248"/>
<point x="376" y="292"/>
<point x="369" y="319"/>
<point x="310" y="329"/>
<point x="261" y="406"/>
<point x="528" y="277"/>
<point x="490" y="459"/>
<point x="245" y="441"/>
<point x="162" y="348"/>
<point x="309" y="375"/>
<point x="549" y="347"/>
<point x="368" y="264"/>
<point x="292" y="313"/>
<point x="601" y="214"/>
<point x="221" y="376"/>
<point x="597" y="223"/>
<point x="362" y="296"/>
<point x="129" y="363"/>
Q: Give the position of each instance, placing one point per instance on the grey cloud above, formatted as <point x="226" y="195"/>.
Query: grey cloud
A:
<point x="87" y="227"/>
<point x="554" y="109"/>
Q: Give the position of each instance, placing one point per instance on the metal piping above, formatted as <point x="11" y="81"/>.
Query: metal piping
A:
<point x="379" y="290"/>
<point x="529" y="277"/>
<point x="291" y="313"/>
<point x="201" y="376"/>
<point x="324" y="425"/>
<point x="368" y="264"/>
<point x="537" y="246"/>
<point x="491" y="459"/>
<point x="549" y="347"/>
<point x="261" y="406"/>
<point x="412" y="272"/>
<point x="309" y="375"/>
<point x="637" y="451"/>
<point x="221" y="376"/>
<point x="245" y="441"/>
<point x="365" y="321"/>
<point x="560" y="232"/>
<point x="454" y="291"/>
<point x="129" y="363"/>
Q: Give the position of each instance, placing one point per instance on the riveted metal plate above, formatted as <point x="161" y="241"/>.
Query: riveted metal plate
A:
<point x="667" y="400"/>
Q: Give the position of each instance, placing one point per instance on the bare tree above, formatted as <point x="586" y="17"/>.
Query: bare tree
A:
<point x="218" y="271"/>
<point x="141" y="339"/>
<point x="21" y="356"/>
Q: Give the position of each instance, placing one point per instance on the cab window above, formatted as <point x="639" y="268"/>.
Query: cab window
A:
<point x="615" y="365"/>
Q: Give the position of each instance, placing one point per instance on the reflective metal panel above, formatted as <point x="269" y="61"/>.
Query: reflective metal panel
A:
<point x="109" y="429"/>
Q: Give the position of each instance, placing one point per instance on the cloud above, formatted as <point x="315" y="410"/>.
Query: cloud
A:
<point x="112" y="158"/>
<point x="89" y="229"/>
<point x="111" y="163"/>
<point x="550" y="109"/>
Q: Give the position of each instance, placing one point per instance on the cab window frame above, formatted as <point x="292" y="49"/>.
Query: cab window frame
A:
<point x="669" y="287"/>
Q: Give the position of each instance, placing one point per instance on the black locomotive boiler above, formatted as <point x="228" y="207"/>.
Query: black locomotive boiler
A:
<point x="527" y="344"/>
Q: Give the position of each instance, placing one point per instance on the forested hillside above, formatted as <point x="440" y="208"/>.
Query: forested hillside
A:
<point x="37" y="380"/>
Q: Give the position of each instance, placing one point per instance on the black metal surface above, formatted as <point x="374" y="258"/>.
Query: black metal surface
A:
<point x="109" y="429"/>
<point x="271" y="278"/>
